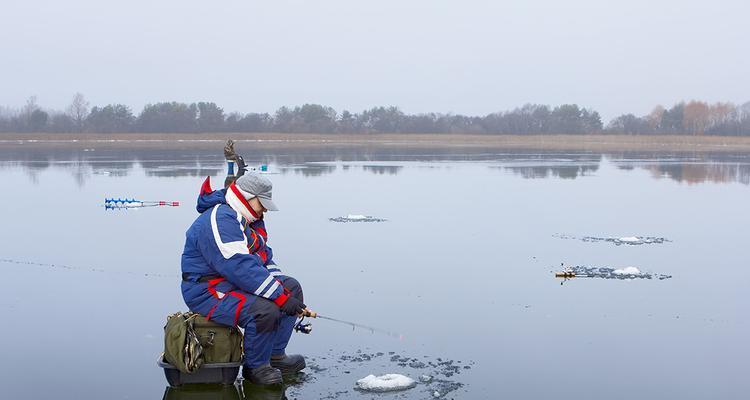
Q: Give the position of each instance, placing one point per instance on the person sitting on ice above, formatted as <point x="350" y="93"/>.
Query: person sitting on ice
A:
<point x="229" y="276"/>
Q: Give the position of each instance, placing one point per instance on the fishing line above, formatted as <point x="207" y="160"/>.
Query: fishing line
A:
<point x="307" y="328"/>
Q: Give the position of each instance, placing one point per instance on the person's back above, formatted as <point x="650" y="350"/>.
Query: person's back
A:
<point x="193" y="261"/>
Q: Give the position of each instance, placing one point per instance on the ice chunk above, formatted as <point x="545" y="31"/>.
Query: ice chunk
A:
<point x="627" y="271"/>
<point x="357" y="218"/>
<point x="628" y="240"/>
<point x="385" y="383"/>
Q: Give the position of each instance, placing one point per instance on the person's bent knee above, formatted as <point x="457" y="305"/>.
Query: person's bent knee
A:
<point x="266" y="315"/>
<point x="294" y="287"/>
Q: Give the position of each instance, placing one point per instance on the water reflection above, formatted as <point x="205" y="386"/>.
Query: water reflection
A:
<point x="238" y="391"/>
<point x="311" y="170"/>
<point x="699" y="173"/>
<point x="314" y="162"/>
<point x="383" y="169"/>
<point x="556" y="171"/>
<point x="202" y="392"/>
<point x="182" y="171"/>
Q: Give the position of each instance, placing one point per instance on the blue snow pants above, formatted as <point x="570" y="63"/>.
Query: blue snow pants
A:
<point x="267" y="328"/>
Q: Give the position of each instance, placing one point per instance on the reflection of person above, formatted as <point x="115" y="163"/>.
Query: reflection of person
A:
<point x="230" y="277"/>
<point x="232" y="392"/>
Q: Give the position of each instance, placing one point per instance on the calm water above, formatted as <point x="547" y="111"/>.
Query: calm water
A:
<point x="462" y="268"/>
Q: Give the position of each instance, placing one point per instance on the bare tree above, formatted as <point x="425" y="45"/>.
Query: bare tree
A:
<point x="695" y="117"/>
<point x="29" y="107"/>
<point x="721" y="113"/>
<point x="78" y="110"/>
<point x="654" y="118"/>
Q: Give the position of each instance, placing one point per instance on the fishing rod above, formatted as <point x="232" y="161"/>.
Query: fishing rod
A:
<point x="568" y="275"/>
<point x="571" y="275"/>
<point x="112" y="204"/>
<point x="307" y="327"/>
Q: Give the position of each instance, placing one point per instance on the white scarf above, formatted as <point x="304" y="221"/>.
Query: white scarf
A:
<point x="237" y="199"/>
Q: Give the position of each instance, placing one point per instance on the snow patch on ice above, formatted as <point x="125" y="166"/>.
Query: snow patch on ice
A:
<point x="357" y="218"/>
<point x="618" y="240"/>
<point x="385" y="383"/>
<point x="627" y="271"/>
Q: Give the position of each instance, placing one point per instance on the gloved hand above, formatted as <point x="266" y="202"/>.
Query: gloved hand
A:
<point x="293" y="306"/>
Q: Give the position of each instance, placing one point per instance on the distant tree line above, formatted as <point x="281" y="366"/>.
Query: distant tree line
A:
<point x="695" y="117"/>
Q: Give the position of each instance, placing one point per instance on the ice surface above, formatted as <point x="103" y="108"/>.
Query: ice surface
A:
<point x="356" y="216"/>
<point x="386" y="383"/>
<point x="630" y="239"/>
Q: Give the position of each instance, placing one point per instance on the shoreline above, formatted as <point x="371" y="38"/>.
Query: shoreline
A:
<point x="594" y="143"/>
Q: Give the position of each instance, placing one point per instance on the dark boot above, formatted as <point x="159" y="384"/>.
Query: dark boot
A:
<point x="263" y="375"/>
<point x="288" y="365"/>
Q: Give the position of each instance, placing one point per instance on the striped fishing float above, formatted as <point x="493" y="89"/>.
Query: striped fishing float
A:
<point x="119" y="204"/>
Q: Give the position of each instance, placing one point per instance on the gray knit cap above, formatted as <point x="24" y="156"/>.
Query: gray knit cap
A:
<point x="254" y="185"/>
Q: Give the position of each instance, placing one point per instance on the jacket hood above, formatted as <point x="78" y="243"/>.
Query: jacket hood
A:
<point x="208" y="197"/>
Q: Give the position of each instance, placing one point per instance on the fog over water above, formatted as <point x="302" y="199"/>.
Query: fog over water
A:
<point x="447" y="244"/>
<point x="474" y="57"/>
<point x="462" y="268"/>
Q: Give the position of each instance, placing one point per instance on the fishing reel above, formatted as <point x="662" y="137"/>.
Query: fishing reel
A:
<point x="305" y="328"/>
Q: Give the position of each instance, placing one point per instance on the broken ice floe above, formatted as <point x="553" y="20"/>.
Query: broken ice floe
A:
<point x="431" y="374"/>
<point x="385" y="383"/>
<point x="357" y="218"/>
<point x="580" y="271"/>
<point x="629" y="240"/>
<point x="627" y="271"/>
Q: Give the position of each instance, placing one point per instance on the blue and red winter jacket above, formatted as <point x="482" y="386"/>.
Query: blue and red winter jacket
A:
<point x="224" y="253"/>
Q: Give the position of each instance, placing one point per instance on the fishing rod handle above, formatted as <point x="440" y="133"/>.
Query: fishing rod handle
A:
<point x="309" y="313"/>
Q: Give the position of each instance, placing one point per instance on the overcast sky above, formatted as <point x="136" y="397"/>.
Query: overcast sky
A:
<point x="470" y="56"/>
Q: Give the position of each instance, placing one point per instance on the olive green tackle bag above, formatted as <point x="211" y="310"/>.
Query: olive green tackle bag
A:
<point x="190" y="341"/>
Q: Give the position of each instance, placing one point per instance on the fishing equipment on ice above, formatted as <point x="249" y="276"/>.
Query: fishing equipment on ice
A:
<point x="126" y="203"/>
<point x="191" y="340"/>
<point x="568" y="273"/>
<point x="626" y="273"/>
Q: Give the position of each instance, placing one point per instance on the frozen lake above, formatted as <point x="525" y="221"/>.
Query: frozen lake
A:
<point x="462" y="268"/>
